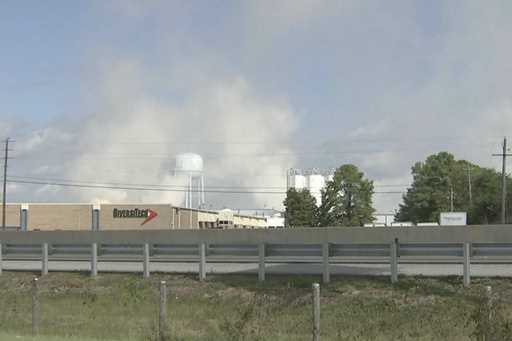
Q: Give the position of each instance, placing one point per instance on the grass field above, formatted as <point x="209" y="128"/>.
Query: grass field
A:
<point x="125" y="307"/>
<point x="15" y="337"/>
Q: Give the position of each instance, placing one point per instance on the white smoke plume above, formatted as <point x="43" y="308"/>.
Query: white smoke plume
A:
<point x="133" y="137"/>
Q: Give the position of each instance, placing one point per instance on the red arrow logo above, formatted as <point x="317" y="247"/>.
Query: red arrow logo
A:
<point x="151" y="215"/>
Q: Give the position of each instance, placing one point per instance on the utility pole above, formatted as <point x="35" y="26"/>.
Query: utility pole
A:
<point x="289" y="173"/>
<point x="503" y="180"/>
<point x="451" y="198"/>
<point x="469" y="187"/>
<point x="6" y="157"/>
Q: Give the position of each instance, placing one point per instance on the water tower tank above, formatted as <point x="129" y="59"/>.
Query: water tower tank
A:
<point x="189" y="163"/>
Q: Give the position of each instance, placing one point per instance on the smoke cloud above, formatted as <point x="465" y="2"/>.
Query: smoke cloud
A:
<point x="134" y="136"/>
<point x="258" y="87"/>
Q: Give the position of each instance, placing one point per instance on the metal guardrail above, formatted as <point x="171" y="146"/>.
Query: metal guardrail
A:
<point x="359" y="250"/>
<point x="420" y="251"/>
<point x="324" y="246"/>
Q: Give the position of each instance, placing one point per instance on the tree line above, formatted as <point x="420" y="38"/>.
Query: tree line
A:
<point x="440" y="183"/>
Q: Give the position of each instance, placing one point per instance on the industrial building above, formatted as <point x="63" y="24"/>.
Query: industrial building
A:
<point x="80" y="217"/>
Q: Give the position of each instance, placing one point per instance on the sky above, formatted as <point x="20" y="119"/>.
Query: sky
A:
<point x="109" y="91"/>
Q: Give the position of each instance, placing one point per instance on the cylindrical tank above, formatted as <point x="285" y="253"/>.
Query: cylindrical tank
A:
<point x="298" y="182"/>
<point x="316" y="183"/>
<point x="189" y="163"/>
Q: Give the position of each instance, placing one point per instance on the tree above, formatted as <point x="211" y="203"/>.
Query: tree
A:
<point x="486" y="206"/>
<point x="346" y="199"/>
<point x="438" y="176"/>
<point x="429" y="193"/>
<point x="300" y="208"/>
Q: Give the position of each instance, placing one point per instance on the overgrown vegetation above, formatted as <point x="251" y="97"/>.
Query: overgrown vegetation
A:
<point x="491" y="318"/>
<point x="125" y="307"/>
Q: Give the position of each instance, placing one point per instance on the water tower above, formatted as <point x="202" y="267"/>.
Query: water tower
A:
<point x="190" y="167"/>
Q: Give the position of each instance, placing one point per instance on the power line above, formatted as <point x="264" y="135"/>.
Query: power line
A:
<point x="156" y="189"/>
<point x="171" y="186"/>
<point x="132" y="172"/>
<point x="161" y="186"/>
<point x="136" y="188"/>
<point x="149" y="156"/>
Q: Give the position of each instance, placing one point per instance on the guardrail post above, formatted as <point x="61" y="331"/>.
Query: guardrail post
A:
<point x="261" y="257"/>
<point x="0" y="258"/>
<point x="316" y="312"/>
<point x="202" y="262"/>
<point x="394" y="261"/>
<point x="162" y="316"/>
<point x="35" y="307"/>
<point x="95" y="219"/>
<point x="467" y="264"/>
<point x="325" y="257"/>
<point x="94" y="259"/>
<point x="44" y="265"/>
<point x="146" y="261"/>
<point x="488" y="318"/>
<point x="24" y="219"/>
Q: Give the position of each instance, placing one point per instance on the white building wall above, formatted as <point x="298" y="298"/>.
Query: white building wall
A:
<point x="275" y="222"/>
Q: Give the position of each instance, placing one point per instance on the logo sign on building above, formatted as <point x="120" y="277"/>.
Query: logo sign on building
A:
<point x="453" y="219"/>
<point x="148" y="214"/>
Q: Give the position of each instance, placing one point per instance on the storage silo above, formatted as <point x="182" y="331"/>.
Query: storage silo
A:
<point x="316" y="183"/>
<point x="190" y="166"/>
<point x="298" y="182"/>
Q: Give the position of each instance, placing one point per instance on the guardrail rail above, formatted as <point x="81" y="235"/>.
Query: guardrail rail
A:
<point x="326" y="246"/>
